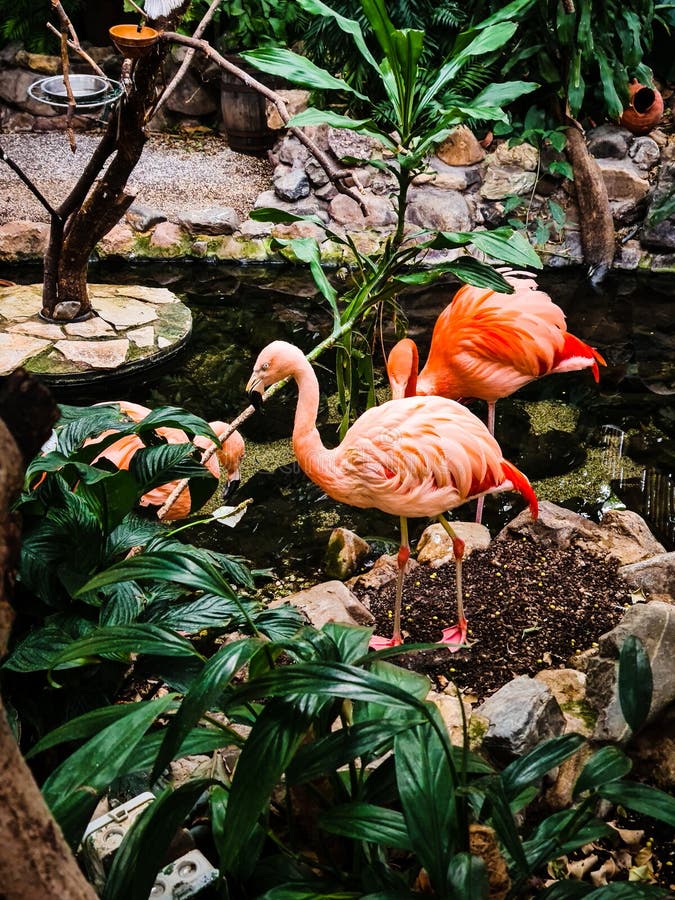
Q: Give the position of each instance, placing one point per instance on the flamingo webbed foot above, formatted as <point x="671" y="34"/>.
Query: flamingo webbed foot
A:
<point x="454" y="637"/>
<point x="377" y="642"/>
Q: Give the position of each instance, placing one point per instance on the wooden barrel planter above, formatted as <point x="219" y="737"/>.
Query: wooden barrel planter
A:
<point x="243" y="111"/>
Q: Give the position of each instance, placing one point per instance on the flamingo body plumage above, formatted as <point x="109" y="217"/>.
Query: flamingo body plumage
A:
<point x="417" y="456"/>
<point x="487" y="345"/>
<point x="121" y="452"/>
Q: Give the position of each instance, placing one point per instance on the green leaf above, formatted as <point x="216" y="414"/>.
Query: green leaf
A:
<point x="211" y="683"/>
<point x="85" y="726"/>
<point x="280" y="216"/>
<point x="468" y="877"/>
<point x="326" y="755"/>
<point x="307" y="250"/>
<point x="635" y="682"/>
<point x="643" y="799"/>
<point x="504" y="93"/>
<point x="159" y="465"/>
<point x="608" y="764"/>
<point x="142" y="852"/>
<point x="529" y="769"/>
<point x="349" y="26"/>
<point x="269" y="748"/>
<point x="38" y="650"/>
<point x="135" y="638"/>
<point x="560" y="167"/>
<point x="367" y="127"/>
<point x="72" y="790"/>
<point x="365" y="822"/>
<point x="296" y="69"/>
<point x="557" y="212"/>
<point x="427" y="783"/>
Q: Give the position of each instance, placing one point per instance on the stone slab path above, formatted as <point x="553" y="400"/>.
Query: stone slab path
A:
<point x="134" y="327"/>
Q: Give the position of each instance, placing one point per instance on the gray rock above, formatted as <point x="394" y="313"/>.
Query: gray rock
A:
<point x="644" y="152"/>
<point x="343" y="143"/>
<point x="292" y="185"/>
<point x="622" y="535"/>
<point x="609" y="141"/>
<point x="655" y="577"/>
<point x="435" y="544"/>
<point x="142" y="217"/>
<point x="308" y="206"/>
<point x="654" y="624"/>
<point x="291" y="152"/>
<point x="521" y="714"/>
<point x="346" y="211"/>
<point x="505" y="181"/>
<point x="331" y="601"/>
<point x="624" y="181"/>
<point x="316" y="173"/>
<point x="384" y="571"/>
<point x="193" y="98"/>
<point x="14" y="84"/>
<point x="345" y="553"/>
<point x="661" y="235"/>
<point x="439" y="210"/>
<point x="211" y="220"/>
<point x="632" y="541"/>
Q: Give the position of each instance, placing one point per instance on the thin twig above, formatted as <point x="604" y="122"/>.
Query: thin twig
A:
<point x="335" y="174"/>
<point x="76" y="48"/>
<point x="185" y="65"/>
<point x="29" y="184"/>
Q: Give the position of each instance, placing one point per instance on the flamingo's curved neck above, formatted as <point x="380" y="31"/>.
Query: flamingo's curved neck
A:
<point x="307" y="445"/>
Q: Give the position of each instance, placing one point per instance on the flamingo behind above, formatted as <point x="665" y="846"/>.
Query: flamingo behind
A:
<point x="121" y="452"/>
<point x="487" y="345"/>
<point x="417" y="456"/>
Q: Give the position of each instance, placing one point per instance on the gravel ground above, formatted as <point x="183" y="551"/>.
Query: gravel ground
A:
<point x="174" y="174"/>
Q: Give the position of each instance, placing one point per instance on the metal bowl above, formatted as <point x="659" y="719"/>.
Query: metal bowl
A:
<point x="83" y="86"/>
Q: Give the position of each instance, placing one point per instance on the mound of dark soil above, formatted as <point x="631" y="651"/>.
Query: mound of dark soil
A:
<point x="528" y="608"/>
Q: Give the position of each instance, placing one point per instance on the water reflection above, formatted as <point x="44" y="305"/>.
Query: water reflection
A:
<point x="627" y="421"/>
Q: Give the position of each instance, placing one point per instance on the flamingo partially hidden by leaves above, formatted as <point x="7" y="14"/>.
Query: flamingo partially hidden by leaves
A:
<point x="418" y="456"/>
<point x="487" y="345"/>
<point x="121" y="452"/>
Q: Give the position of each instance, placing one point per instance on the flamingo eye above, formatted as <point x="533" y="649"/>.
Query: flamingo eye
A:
<point x="265" y="367"/>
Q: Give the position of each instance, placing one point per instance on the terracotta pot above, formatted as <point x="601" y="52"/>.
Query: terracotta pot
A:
<point x="132" y="41"/>
<point x="645" y="109"/>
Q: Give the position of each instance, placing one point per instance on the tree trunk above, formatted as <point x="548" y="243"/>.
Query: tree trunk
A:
<point x="35" y="860"/>
<point x="595" y="218"/>
<point x="94" y="207"/>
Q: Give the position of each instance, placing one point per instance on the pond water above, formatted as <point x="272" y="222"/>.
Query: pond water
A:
<point x="583" y="445"/>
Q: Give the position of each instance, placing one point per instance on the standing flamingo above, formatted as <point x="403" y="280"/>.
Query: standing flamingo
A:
<point x="418" y="456"/>
<point x="121" y="452"/>
<point x="487" y="345"/>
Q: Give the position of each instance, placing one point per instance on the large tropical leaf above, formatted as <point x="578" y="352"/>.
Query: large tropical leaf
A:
<point x="642" y="798"/>
<point x="296" y="69"/>
<point x="635" y="682"/>
<point x="269" y="748"/>
<point x="608" y="764"/>
<point x="427" y="785"/>
<point x="366" y="127"/>
<point x="365" y="822"/>
<point x="213" y="680"/>
<point x="137" y="637"/>
<point x="72" y="790"/>
<point x="529" y="769"/>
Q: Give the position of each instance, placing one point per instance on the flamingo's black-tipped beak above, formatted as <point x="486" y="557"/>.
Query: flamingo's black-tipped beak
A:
<point x="255" y="390"/>
<point x="231" y="487"/>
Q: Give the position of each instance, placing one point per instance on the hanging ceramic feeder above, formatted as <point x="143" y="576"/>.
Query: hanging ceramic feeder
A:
<point x="645" y="109"/>
<point x="133" y="41"/>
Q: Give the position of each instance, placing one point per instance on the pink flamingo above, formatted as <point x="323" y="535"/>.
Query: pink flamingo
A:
<point x="418" y="456"/>
<point x="122" y="451"/>
<point x="487" y="345"/>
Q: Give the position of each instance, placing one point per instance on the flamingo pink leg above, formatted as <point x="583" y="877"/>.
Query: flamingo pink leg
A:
<point x="455" y="636"/>
<point x="380" y="643"/>
<point x="491" y="429"/>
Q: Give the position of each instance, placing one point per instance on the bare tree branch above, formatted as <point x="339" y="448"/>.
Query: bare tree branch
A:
<point x="185" y="65"/>
<point x="76" y="48"/>
<point x="335" y="174"/>
<point x="29" y="184"/>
